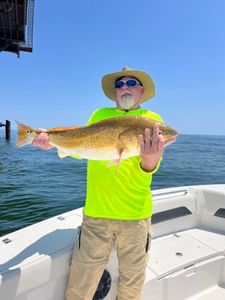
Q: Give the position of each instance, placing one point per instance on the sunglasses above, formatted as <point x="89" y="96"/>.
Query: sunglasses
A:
<point x="130" y="83"/>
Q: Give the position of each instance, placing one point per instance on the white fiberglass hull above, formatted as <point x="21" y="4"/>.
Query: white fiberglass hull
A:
<point x="187" y="254"/>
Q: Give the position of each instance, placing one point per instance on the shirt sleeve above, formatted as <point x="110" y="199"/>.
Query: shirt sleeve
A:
<point x="96" y="116"/>
<point x="151" y="172"/>
<point x="153" y="116"/>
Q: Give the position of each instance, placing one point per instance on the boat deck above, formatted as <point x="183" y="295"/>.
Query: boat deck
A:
<point x="187" y="265"/>
<point x="187" y="254"/>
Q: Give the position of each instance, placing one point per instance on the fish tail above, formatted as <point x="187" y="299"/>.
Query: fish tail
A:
<point x="25" y="134"/>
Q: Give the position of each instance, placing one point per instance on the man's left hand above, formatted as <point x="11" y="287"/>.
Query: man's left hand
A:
<point x="151" y="148"/>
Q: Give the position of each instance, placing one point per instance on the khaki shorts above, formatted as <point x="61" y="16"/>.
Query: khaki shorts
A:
<point x="91" y="254"/>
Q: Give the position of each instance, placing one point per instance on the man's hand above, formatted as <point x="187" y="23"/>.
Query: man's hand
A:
<point x="151" y="148"/>
<point x="41" y="139"/>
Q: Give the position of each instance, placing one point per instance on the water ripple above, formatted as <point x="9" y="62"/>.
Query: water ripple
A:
<point x="36" y="184"/>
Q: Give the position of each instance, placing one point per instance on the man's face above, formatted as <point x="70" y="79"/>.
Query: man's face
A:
<point x="129" y="97"/>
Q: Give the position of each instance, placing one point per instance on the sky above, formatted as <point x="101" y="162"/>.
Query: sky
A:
<point x="181" y="44"/>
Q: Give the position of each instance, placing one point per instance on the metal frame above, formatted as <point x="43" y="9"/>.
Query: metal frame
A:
<point x="16" y="25"/>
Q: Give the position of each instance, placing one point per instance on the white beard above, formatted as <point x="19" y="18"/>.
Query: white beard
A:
<point x="126" y="102"/>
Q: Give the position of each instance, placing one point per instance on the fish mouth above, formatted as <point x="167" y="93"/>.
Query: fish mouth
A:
<point x="171" y="140"/>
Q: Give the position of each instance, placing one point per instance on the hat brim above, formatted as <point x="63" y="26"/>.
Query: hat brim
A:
<point x="108" y="83"/>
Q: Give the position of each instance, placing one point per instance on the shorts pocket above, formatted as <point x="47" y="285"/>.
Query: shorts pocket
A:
<point x="79" y="236"/>
<point x="148" y="242"/>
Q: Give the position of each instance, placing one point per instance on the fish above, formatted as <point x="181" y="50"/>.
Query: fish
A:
<point x="113" y="139"/>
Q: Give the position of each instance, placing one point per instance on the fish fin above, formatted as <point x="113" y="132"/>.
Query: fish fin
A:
<point x="60" y="129"/>
<point x="112" y="163"/>
<point x="62" y="154"/>
<point x="25" y="134"/>
<point x="119" y="160"/>
<point x="118" y="165"/>
<point x="116" y="161"/>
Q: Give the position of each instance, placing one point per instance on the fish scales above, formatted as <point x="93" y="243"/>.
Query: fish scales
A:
<point x="90" y="136"/>
<point x="109" y="139"/>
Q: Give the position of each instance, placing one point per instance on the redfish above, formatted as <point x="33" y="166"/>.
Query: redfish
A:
<point x="113" y="139"/>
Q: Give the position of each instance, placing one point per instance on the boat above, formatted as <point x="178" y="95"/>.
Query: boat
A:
<point x="186" y="258"/>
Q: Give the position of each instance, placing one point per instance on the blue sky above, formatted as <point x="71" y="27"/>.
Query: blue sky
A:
<point x="181" y="44"/>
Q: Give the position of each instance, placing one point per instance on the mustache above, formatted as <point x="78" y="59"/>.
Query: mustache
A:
<point x="126" y="93"/>
<point x="126" y="96"/>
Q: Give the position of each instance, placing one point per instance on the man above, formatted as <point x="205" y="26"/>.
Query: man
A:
<point x="118" y="206"/>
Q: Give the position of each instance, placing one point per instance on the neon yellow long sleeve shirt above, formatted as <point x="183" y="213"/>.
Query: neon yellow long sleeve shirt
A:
<point x="125" y="195"/>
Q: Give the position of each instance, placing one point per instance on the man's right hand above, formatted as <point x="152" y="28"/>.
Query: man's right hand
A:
<point x="41" y="139"/>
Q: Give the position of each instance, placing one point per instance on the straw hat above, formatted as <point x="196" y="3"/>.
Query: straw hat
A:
<point x="108" y="83"/>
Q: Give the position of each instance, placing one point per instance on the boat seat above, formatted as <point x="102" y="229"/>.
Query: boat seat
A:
<point x="182" y="249"/>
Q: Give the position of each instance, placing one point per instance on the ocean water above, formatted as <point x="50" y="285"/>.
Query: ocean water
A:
<point x="36" y="184"/>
